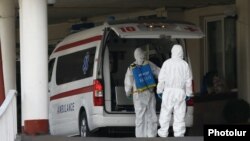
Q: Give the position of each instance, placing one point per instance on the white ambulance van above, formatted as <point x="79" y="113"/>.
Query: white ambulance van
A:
<point x="87" y="70"/>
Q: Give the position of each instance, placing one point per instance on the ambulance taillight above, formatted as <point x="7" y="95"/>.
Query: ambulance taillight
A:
<point x="98" y="93"/>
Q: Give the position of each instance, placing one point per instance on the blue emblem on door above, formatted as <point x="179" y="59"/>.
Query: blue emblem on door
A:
<point x="85" y="65"/>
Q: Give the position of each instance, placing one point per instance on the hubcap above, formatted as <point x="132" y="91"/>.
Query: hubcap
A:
<point x="83" y="128"/>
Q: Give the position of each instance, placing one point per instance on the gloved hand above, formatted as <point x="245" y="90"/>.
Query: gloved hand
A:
<point x="160" y="95"/>
<point x="187" y="98"/>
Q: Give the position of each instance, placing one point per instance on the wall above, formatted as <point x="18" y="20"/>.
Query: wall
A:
<point x="243" y="51"/>
<point x="58" y="31"/>
<point x="196" y="47"/>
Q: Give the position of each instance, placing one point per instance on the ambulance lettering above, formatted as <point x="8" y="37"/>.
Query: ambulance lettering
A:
<point x="66" y="108"/>
<point x="192" y="29"/>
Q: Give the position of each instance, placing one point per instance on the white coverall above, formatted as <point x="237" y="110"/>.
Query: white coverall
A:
<point x="175" y="82"/>
<point x="144" y="102"/>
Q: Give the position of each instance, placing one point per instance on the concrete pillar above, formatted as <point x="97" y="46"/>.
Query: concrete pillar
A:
<point x="2" y="94"/>
<point x="21" y="68"/>
<point x="8" y="43"/>
<point x="34" y="66"/>
<point x="243" y="48"/>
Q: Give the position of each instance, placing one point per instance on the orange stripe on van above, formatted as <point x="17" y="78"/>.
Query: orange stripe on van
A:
<point x="72" y="92"/>
<point x="77" y="43"/>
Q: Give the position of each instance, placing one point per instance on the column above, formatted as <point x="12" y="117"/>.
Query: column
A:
<point x="34" y="65"/>
<point x="8" y="45"/>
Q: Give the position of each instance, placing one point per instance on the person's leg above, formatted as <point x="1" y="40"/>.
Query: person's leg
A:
<point x="151" y="118"/>
<point x="140" y="110"/>
<point x="179" y="119"/>
<point x="165" y="116"/>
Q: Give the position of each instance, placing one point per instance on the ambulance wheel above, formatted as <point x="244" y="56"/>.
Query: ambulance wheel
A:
<point x="83" y="125"/>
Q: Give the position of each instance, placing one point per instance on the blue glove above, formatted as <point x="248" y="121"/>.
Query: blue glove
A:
<point x="187" y="98"/>
<point x="160" y="95"/>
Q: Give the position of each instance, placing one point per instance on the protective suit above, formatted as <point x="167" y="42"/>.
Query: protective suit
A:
<point x="139" y="83"/>
<point x="175" y="82"/>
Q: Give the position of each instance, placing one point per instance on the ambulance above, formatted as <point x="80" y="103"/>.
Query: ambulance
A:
<point x="87" y="71"/>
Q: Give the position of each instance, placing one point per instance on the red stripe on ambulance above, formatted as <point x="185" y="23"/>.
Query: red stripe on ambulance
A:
<point x="72" y="92"/>
<point x="77" y="43"/>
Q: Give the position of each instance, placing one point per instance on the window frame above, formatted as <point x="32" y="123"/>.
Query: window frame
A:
<point x="224" y="47"/>
<point x="81" y="52"/>
<point x="206" y="48"/>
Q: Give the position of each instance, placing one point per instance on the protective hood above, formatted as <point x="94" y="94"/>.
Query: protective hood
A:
<point x="139" y="55"/>
<point x="177" y="52"/>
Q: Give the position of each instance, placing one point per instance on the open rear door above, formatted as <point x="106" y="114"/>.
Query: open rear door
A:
<point x="158" y="30"/>
<point x="157" y="37"/>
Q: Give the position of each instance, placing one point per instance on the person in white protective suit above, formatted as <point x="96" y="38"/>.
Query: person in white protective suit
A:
<point x="175" y="86"/>
<point x="139" y="82"/>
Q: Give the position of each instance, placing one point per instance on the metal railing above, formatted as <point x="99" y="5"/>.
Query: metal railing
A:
<point x="8" y="117"/>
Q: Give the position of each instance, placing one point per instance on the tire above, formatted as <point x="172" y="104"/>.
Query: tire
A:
<point x="83" y="125"/>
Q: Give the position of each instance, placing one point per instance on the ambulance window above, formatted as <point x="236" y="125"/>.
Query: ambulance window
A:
<point x="75" y="66"/>
<point x="51" y="64"/>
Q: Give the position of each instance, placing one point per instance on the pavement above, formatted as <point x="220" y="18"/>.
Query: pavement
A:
<point x="63" y="138"/>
